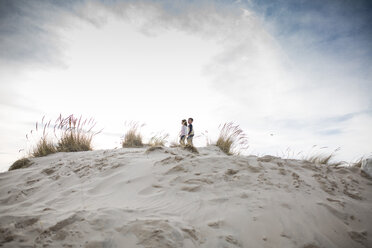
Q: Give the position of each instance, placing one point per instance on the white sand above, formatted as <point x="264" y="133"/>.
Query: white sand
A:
<point x="173" y="198"/>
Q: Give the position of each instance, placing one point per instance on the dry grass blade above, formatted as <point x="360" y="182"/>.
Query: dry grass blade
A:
<point x="324" y="158"/>
<point x="232" y="139"/>
<point x="207" y="138"/>
<point x="320" y="159"/>
<point x="358" y="163"/>
<point x="158" y="140"/>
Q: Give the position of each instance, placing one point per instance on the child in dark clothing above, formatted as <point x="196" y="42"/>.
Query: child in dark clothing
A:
<point x="190" y="133"/>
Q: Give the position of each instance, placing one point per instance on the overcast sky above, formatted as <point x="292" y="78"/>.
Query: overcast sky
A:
<point x="292" y="73"/>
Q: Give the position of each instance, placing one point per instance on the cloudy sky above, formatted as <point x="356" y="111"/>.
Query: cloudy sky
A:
<point x="292" y="73"/>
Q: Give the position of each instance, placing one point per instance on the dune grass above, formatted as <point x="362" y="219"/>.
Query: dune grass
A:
<point x="232" y="139"/>
<point x="320" y="159"/>
<point x="324" y="158"/>
<point x="75" y="134"/>
<point x="43" y="148"/>
<point x="358" y="163"/>
<point x="45" y="145"/>
<point x="20" y="163"/>
<point x="71" y="134"/>
<point x="159" y="139"/>
<point x="133" y="137"/>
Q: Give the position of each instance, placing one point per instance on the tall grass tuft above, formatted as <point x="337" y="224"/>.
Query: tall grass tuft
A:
<point x="76" y="134"/>
<point x="320" y="159"/>
<point x="45" y="145"/>
<point x="43" y="148"/>
<point x="232" y="139"/>
<point x="324" y="159"/>
<point x="133" y="137"/>
<point x="357" y="163"/>
<point x="159" y="139"/>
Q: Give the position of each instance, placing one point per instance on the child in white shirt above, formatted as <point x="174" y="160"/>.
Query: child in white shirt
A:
<point x="183" y="132"/>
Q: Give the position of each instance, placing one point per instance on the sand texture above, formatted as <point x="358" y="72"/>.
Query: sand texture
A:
<point x="170" y="197"/>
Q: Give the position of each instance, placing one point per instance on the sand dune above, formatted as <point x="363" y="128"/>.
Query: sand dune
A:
<point x="174" y="198"/>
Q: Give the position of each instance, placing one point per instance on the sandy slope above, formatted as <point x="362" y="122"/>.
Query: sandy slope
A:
<point x="173" y="198"/>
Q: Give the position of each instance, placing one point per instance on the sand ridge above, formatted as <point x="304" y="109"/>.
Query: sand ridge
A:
<point x="170" y="197"/>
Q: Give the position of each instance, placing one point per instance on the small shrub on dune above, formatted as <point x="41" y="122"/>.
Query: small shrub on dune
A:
<point x="76" y="134"/>
<point x="20" y="163"/>
<point x="231" y="139"/>
<point x="133" y="137"/>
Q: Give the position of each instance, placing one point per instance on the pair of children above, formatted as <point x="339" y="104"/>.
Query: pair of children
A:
<point x="187" y="131"/>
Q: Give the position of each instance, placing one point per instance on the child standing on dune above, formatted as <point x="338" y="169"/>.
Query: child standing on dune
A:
<point x="183" y="132"/>
<point x="190" y="134"/>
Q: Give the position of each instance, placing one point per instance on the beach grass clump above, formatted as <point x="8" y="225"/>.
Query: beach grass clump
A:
<point x="71" y="134"/>
<point x="231" y="139"/>
<point x="44" y="147"/>
<point x="357" y="163"/>
<point x="158" y="139"/>
<point x="320" y="158"/>
<point x="133" y="137"/>
<point x="20" y="163"/>
<point x="73" y="142"/>
<point x="324" y="158"/>
<point x="76" y="134"/>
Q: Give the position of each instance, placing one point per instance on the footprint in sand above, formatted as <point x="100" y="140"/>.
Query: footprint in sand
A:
<point x="340" y="215"/>
<point x="176" y="169"/>
<point x="151" y="190"/>
<point x="215" y="224"/>
<point x="310" y="246"/>
<point x="326" y="184"/>
<point x="231" y="172"/>
<point x="26" y="222"/>
<point x="232" y="240"/>
<point x="191" y="188"/>
<point x="48" y="171"/>
<point x="58" y="231"/>
<point x="359" y="237"/>
<point x="341" y="203"/>
<point x="296" y="180"/>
